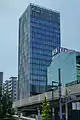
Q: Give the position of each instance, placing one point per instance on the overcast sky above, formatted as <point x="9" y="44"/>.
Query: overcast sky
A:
<point x="10" y="11"/>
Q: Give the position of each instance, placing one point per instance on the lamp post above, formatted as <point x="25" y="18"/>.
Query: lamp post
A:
<point x="66" y="105"/>
<point x="60" y="104"/>
<point x="53" y="116"/>
<point x="72" y="98"/>
<point x="60" y="95"/>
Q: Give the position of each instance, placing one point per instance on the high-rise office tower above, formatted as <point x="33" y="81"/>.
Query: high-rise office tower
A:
<point x="39" y="34"/>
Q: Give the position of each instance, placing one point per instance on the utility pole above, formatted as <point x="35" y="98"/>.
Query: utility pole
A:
<point x="60" y="104"/>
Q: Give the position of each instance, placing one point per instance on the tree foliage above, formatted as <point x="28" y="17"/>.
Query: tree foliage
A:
<point x="6" y="110"/>
<point x="46" y="111"/>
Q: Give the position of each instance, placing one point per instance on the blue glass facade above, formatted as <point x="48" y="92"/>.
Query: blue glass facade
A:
<point x="42" y="36"/>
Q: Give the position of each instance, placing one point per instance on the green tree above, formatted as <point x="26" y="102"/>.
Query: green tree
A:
<point x="6" y="110"/>
<point x="46" y="111"/>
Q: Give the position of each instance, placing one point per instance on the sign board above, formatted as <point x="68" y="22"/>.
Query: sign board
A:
<point x="39" y="117"/>
<point x="76" y="106"/>
<point x="69" y="98"/>
<point x="61" y="49"/>
<point x="73" y="97"/>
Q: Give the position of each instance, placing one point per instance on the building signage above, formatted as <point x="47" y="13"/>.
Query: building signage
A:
<point x="76" y="106"/>
<point x="58" y="50"/>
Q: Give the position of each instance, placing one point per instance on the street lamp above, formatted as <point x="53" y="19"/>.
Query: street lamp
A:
<point x="53" y="116"/>
<point x="72" y="97"/>
<point x="60" y="95"/>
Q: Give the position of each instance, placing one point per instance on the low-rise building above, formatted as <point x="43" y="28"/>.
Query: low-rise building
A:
<point x="69" y="63"/>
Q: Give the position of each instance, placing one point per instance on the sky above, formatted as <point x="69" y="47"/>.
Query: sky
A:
<point x="11" y="10"/>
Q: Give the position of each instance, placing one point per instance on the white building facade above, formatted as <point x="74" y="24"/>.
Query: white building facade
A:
<point x="10" y="86"/>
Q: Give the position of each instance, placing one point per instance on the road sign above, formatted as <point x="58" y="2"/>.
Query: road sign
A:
<point x="73" y="97"/>
<point x="69" y="98"/>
